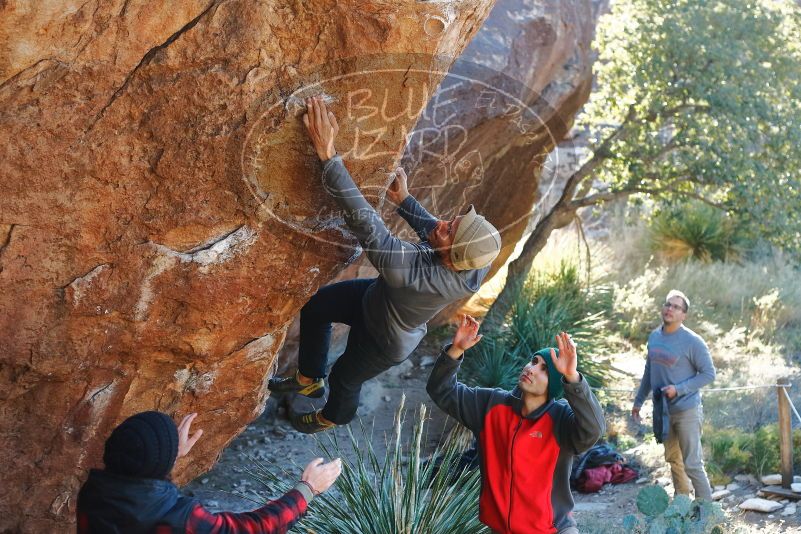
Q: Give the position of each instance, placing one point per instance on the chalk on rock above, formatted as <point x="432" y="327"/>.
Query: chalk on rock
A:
<point x="760" y="505"/>
<point x="296" y="104"/>
<point x="772" y="480"/>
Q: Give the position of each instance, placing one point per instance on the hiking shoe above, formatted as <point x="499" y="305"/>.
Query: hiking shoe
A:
<point x="290" y="384"/>
<point x="310" y="423"/>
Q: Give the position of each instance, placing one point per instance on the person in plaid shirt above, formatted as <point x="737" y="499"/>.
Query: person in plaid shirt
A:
<point x="133" y="494"/>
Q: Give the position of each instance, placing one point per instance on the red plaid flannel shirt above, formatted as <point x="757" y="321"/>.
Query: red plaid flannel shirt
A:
<point x="275" y="517"/>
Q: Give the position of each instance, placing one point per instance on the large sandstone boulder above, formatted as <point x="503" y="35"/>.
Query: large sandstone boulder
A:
<point x="530" y="67"/>
<point x="483" y="139"/>
<point x="161" y="215"/>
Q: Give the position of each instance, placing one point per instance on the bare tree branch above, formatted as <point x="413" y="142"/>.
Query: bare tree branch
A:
<point x="583" y="237"/>
<point x="672" y="112"/>
<point x="607" y="196"/>
<point x="600" y="154"/>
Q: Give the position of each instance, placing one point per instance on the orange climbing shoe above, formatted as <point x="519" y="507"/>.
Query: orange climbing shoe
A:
<point x="310" y="423"/>
<point x="290" y="384"/>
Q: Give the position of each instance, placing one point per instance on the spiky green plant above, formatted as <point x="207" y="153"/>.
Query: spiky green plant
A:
<point x="400" y="493"/>
<point x="694" y="231"/>
<point x="550" y="303"/>
<point x="491" y="364"/>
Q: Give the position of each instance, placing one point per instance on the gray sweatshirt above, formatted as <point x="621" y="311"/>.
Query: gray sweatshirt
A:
<point x="682" y="359"/>
<point x="413" y="284"/>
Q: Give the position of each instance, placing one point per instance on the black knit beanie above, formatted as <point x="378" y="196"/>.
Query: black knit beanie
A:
<point x="144" y="445"/>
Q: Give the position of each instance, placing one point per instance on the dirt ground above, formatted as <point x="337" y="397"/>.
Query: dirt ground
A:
<point x="271" y="440"/>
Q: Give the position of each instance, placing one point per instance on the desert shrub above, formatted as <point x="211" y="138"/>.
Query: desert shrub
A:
<point x="730" y="451"/>
<point x="726" y="456"/>
<point x="636" y="303"/>
<point x="766" y="316"/>
<point x="694" y="231"/>
<point x="761" y="297"/>
<point x="548" y="303"/>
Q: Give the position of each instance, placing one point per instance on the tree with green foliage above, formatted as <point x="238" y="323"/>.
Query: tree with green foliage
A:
<point x="695" y="99"/>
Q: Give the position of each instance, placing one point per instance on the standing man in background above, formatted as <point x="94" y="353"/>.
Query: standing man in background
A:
<point x="678" y="365"/>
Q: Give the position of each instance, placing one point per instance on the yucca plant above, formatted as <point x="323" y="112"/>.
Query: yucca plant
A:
<point x="554" y="302"/>
<point x="694" y="231"/>
<point x="400" y="493"/>
<point x="491" y="364"/>
<point x="548" y="303"/>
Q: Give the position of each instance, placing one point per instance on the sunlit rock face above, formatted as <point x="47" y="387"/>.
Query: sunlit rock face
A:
<point x="483" y="139"/>
<point x="510" y="98"/>
<point x="161" y="214"/>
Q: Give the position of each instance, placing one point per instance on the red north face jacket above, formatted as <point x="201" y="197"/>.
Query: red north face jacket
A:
<point x="525" y="461"/>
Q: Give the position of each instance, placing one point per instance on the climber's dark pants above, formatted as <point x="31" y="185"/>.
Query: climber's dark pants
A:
<point x="362" y="359"/>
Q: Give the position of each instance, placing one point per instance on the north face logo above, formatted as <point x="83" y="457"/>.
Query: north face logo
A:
<point x="536" y="434"/>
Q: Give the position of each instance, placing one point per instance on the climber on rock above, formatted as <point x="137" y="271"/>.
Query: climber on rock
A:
<point x="388" y="314"/>
<point x="526" y="437"/>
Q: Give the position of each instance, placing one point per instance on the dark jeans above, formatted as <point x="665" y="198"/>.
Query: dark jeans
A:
<point x="362" y="359"/>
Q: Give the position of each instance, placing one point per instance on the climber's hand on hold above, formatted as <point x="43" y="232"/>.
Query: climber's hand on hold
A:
<point x="398" y="190"/>
<point x="322" y="127"/>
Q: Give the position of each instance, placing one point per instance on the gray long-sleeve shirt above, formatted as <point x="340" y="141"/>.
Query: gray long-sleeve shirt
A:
<point x="680" y="358"/>
<point x="413" y="284"/>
